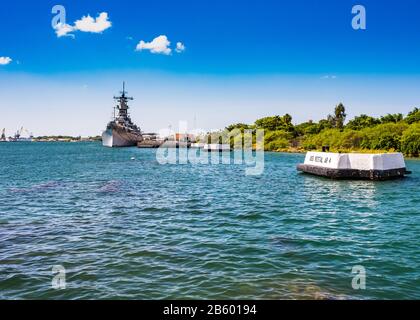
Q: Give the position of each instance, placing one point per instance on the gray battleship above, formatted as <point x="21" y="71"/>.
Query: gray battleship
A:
<point x="121" y="131"/>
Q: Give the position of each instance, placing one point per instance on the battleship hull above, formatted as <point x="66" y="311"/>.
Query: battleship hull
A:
<point x="112" y="137"/>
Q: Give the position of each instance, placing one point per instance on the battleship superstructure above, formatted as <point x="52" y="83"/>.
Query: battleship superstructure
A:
<point x="121" y="131"/>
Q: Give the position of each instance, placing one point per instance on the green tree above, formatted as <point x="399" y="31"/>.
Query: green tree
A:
<point x="384" y="136"/>
<point x="287" y="123"/>
<point x="276" y="123"/>
<point x="339" y="116"/>
<point x="287" y="119"/>
<point x="337" y="120"/>
<point x="325" y="124"/>
<point x="362" y="121"/>
<point x="392" y="118"/>
<point x="410" y="140"/>
<point x="240" y="126"/>
<point x="269" y="123"/>
<point x="413" y="116"/>
<point x="305" y="128"/>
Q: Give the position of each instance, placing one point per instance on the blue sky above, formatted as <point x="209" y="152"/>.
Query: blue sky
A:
<point x="242" y="60"/>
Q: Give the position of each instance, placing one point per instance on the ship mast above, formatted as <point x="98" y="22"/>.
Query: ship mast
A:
<point x="122" y="103"/>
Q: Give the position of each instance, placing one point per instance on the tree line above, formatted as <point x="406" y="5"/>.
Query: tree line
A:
<point x="363" y="133"/>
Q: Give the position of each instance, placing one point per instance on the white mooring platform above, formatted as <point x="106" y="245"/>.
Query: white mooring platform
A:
<point x="372" y="166"/>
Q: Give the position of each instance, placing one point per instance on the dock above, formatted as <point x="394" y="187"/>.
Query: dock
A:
<point x="149" y="144"/>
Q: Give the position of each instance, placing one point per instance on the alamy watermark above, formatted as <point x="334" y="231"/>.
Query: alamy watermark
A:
<point x="60" y="16"/>
<point x="359" y="20"/>
<point x="234" y="147"/>
<point x="59" y="277"/>
<point x="359" y="280"/>
<point x="58" y="22"/>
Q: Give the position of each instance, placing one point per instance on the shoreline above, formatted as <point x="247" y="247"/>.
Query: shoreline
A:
<point x="282" y="150"/>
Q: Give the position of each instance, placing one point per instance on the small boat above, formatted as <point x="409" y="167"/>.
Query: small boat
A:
<point x="381" y="166"/>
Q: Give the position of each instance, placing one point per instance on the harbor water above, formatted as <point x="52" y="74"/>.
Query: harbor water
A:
<point x="124" y="226"/>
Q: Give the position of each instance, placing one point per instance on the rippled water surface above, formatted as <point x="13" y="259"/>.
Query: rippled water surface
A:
<point x="125" y="228"/>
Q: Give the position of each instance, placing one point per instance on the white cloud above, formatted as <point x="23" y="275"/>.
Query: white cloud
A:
<point x="159" y="45"/>
<point x="85" y="24"/>
<point x="5" y="60"/>
<point x="63" y="30"/>
<point x="89" y="24"/>
<point x="329" y="77"/>
<point x="180" y="47"/>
